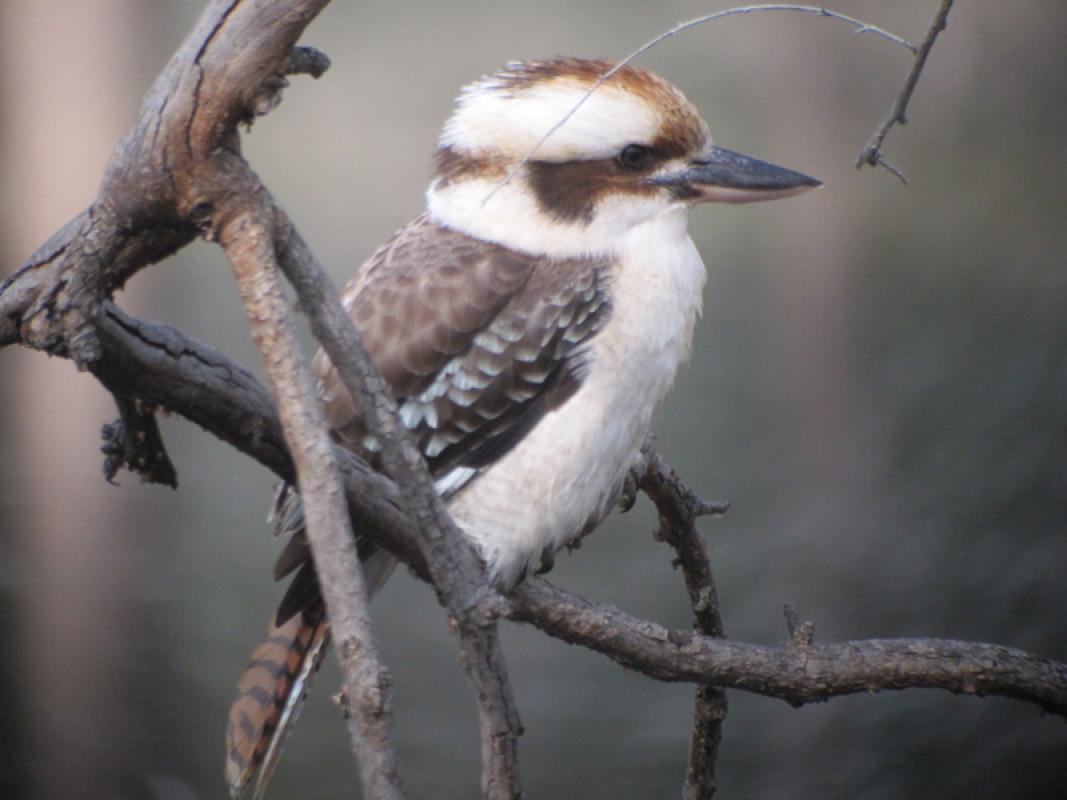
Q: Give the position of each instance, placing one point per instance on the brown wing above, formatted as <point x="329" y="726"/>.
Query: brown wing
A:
<point x="476" y="341"/>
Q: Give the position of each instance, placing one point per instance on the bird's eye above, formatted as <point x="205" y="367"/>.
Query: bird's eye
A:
<point x="634" y="156"/>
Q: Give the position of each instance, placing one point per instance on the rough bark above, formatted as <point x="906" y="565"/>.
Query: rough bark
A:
<point x="679" y="508"/>
<point x="167" y="368"/>
<point x="177" y="173"/>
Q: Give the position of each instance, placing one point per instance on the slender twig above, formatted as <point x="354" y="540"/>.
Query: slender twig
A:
<point x="872" y="152"/>
<point x="679" y="508"/>
<point x="859" y="27"/>
<point x="455" y="568"/>
<point x="247" y="236"/>
<point x="801" y="634"/>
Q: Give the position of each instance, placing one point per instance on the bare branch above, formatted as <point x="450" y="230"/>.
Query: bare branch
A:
<point x="455" y="568"/>
<point x="872" y="152"/>
<point x="175" y="173"/>
<point x="797" y="675"/>
<point x="218" y="191"/>
<point x="168" y="369"/>
<point x="165" y="367"/>
<point x="246" y="234"/>
<point x="679" y="508"/>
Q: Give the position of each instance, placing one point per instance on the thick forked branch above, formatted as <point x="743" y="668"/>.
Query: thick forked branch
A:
<point x="179" y="172"/>
<point x="165" y="367"/>
<point x="228" y="202"/>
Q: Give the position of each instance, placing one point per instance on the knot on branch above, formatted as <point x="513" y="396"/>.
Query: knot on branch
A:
<point x="82" y="341"/>
<point x="269" y="96"/>
<point x="299" y="61"/>
<point x="485" y="607"/>
<point x="801" y="634"/>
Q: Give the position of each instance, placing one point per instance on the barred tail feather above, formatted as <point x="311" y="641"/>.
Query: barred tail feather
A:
<point x="271" y="692"/>
<point x="272" y="689"/>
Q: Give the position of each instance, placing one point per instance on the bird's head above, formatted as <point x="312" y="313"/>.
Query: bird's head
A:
<point x="634" y="150"/>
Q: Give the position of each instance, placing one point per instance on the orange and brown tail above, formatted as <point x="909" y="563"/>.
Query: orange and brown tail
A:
<point x="270" y="693"/>
<point x="272" y="689"/>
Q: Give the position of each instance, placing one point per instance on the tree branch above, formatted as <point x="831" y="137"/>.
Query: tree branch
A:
<point x="178" y="171"/>
<point x="872" y="152"/>
<point x="164" y="367"/>
<point x="229" y="203"/>
<point x="679" y="508"/>
<point x="796" y="674"/>
<point x="455" y="568"/>
<point x="177" y="174"/>
<point x="246" y="234"/>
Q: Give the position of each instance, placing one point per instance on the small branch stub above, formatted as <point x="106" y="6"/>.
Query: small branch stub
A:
<point x="134" y="441"/>
<point x="801" y="634"/>
<point x="307" y="61"/>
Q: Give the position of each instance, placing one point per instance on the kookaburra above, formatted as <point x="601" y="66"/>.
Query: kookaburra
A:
<point x="528" y="323"/>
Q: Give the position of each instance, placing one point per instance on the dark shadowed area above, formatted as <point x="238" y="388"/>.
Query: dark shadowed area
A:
<point x="879" y="386"/>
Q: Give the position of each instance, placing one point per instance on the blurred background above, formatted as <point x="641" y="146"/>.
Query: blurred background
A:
<point x="879" y="387"/>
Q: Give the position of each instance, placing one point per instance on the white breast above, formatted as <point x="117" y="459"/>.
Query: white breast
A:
<point x="568" y="469"/>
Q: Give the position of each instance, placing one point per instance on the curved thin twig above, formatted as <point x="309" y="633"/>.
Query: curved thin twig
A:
<point x="859" y="27"/>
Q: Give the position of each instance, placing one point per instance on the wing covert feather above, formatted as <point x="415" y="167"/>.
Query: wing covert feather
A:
<point x="476" y="341"/>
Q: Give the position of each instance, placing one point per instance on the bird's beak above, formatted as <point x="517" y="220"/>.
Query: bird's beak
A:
<point x="723" y="176"/>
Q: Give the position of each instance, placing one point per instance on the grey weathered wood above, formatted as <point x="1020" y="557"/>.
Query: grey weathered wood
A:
<point x="153" y="360"/>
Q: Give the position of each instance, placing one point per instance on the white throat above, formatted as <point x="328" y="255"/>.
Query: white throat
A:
<point x="579" y="453"/>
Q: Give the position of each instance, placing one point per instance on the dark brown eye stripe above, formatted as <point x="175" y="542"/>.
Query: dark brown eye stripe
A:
<point x="570" y="190"/>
